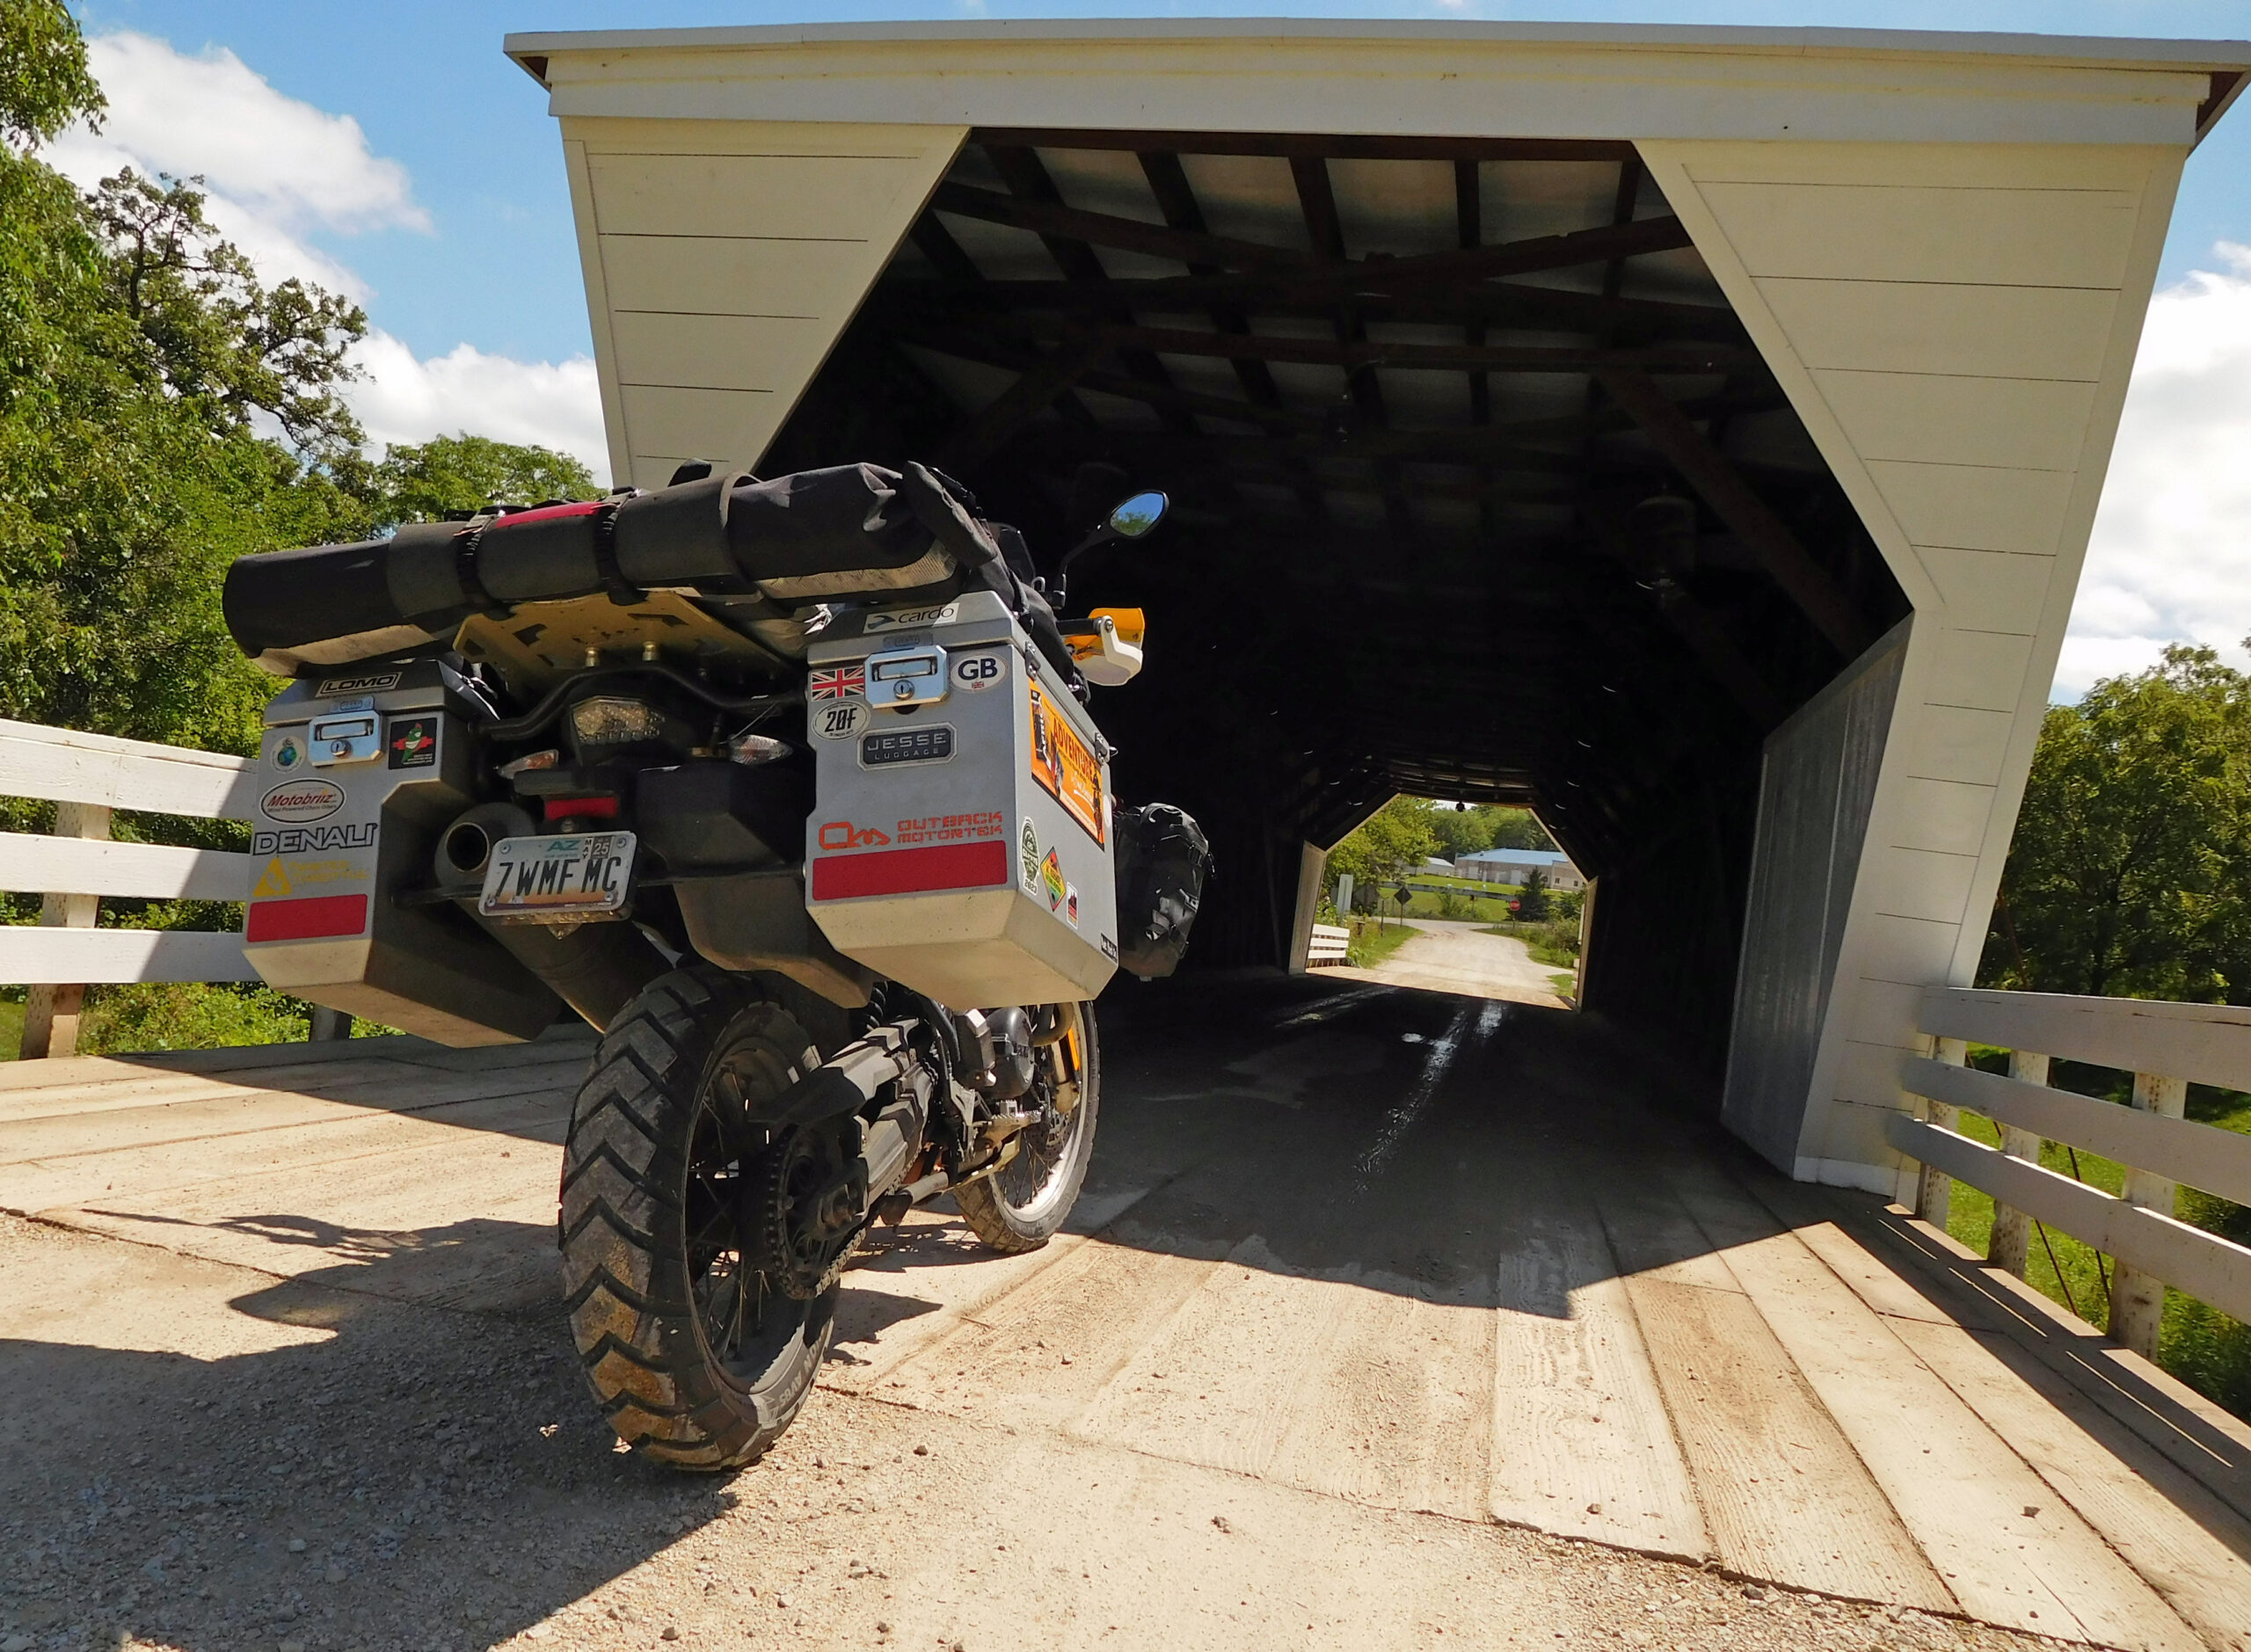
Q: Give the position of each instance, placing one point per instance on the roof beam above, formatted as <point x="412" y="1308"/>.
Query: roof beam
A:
<point x="1673" y="430"/>
<point x="1325" y="228"/>
<point x="1362" y="353"/>
<point x="1335" y="146"/>
<point x="1283" y="268"/>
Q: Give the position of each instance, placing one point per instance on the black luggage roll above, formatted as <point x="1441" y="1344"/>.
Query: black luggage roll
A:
<point x="328" y="605"/>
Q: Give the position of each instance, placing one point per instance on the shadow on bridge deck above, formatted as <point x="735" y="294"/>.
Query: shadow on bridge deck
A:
<point x="1420" y="1256"/>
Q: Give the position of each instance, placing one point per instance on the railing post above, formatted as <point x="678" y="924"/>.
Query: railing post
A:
<point x="2012" y="1240"/>
<point x="1934" y="1190"/>
<point x="50" y="1012"/>
<point x="2138" y="1299"/>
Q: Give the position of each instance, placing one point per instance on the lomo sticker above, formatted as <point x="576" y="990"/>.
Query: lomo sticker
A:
<point x="298" y="800"/>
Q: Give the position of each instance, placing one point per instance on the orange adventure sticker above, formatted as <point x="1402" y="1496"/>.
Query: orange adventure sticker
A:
<point x="1062" y="763"/>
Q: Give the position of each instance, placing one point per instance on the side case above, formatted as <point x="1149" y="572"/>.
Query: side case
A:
<point x="962" y="842"/>
<point x="360" y="771"/>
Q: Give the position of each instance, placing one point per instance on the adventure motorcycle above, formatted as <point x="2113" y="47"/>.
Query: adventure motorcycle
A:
<point x="785" y="786"/>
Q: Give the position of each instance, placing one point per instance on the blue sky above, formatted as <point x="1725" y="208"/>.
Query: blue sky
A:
<point x="387" y="149"/>
<point x="427" y="84"/>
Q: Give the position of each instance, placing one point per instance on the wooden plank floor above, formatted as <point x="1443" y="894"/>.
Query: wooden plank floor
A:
<point x="1378" y="1247"/>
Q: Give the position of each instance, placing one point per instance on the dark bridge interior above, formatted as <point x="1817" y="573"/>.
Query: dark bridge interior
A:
<point x="1482" y="492"/>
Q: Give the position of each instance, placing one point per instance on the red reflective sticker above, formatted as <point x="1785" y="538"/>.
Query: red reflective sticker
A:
<point x="910" y="872"/>
<point x="305" y="919"/>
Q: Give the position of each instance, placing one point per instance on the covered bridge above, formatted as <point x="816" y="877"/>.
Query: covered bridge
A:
<point x="1692" y="433"/>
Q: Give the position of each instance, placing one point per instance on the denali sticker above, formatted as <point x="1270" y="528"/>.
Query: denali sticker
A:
<point x="295" y="800"/>
<point x="378" y="682"/>
<point x="318" y="840"/>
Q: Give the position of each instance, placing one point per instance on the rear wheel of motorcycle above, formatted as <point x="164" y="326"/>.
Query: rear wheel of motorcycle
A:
<point x="694" y="1359"/>
<point x="1021" y="1205"/>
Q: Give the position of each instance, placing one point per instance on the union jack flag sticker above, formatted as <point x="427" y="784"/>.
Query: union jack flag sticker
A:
<point x="835" y="682"/>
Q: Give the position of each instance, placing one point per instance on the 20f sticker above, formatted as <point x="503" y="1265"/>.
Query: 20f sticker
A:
<point x="840" y="719"/>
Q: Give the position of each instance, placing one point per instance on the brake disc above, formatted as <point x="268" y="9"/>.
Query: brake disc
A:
<point x="807" y="1208"/>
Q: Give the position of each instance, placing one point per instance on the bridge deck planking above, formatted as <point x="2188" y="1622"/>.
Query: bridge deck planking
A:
<point x="1582" y="1444"/>
<point x="2044" y="1572"/>
<point x="1730" y="1359"/>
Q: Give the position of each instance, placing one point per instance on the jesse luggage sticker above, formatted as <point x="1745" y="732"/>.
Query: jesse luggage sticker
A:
<point x="1064" y="766"/>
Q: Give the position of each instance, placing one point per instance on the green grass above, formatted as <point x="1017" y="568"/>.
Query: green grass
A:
<point x="1372" y="942"/>
<point x="11" y="1029"/>
<point x="1462" y="908"/>
<point x="1552" y="940"/>
<point x="2200" y="1345"/>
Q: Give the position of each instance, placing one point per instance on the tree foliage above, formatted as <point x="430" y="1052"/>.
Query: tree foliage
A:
<point x="451" y="473"/>
<point x="2131" y="871"/>
<point x="1396" y="838"/>
<point x="44" y="82"/>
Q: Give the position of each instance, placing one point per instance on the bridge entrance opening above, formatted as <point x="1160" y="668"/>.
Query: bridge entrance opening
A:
<point x="1480" y="490"/>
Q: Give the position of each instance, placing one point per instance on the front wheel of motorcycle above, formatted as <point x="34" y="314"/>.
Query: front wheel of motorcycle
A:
<point x="1021" y="1205"/>
<point x="694" y="1359"/>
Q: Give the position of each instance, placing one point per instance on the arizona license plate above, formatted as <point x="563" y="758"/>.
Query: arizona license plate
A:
<point x="585" y="874"/>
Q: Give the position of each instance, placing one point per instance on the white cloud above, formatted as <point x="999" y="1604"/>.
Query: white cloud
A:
<point x="2170" y="560"/>
<point x="555" y="404"/>
<point x="278" y="171"/>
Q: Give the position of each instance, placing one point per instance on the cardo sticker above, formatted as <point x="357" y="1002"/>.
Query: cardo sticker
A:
<point x="839" y="719"/>
<point x="898" y="618"/>
<point x="979" y="672"/>
<point x="300" y="800"/>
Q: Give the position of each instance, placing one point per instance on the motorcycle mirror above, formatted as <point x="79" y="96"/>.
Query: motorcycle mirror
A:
<point x="1137" y="518"/>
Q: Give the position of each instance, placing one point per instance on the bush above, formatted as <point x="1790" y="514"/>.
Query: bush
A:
<point x="187" y="1015"/>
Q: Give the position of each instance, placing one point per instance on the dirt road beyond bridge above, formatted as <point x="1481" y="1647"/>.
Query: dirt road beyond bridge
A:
<point x="1391" y="1319"/>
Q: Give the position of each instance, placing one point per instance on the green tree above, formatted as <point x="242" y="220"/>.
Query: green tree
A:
<point x="449" y="474"/>
<point x="1520" y="829"/>
<point x="44" y="82"/>
<point x="2131" y="871"/>
<point x="1396" y="840"/>
<point x="1461" y="831"/>
<point x="1532" y="900"/>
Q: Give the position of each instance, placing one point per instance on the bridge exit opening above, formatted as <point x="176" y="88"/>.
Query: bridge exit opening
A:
<point x="1482" y="492"/>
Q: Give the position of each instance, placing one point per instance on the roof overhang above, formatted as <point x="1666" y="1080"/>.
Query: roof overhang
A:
<point x="1431" y="78"/>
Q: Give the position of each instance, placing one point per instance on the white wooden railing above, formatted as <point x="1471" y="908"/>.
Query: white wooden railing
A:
<point x="87" y="776"/>
<point x="1328" y="946"/>
<point x="2164" y="1046"/>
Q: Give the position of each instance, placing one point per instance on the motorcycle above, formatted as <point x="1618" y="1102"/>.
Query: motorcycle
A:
<point x="788" y="788"/>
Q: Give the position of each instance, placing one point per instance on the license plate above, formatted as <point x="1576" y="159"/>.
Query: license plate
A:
<point x="585" y="874"/>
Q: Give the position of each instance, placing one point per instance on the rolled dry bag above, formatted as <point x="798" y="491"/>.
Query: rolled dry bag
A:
<point x="327" y="605"/>
<point x="1163" y="858"/>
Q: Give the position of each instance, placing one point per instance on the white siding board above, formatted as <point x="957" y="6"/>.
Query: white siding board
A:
<point x="2017" y="332"/>
<point x="703" y="275"/>
<point x="1919" y="884"/>
<point x="1976" y="237"/>
<point x="732" y="427"/>
<point x="1979" y="670"/>
<point x="1868" y="1074"/>
<point x="1899" y="948"/>
<point x="1856" y="1133"/>
<point x="793" y="197"/>
<point x="1934" y="419"/>
<point x="719" y="353"/>
<point x="1948" y="815"/>
<point x="1943" y="742"/>
<point x="1976" y="507"/>
<point x="1994" y="591"/>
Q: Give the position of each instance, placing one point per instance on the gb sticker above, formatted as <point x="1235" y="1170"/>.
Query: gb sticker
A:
<point x="839" y="719"/>
<point x="977" y="672"/>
